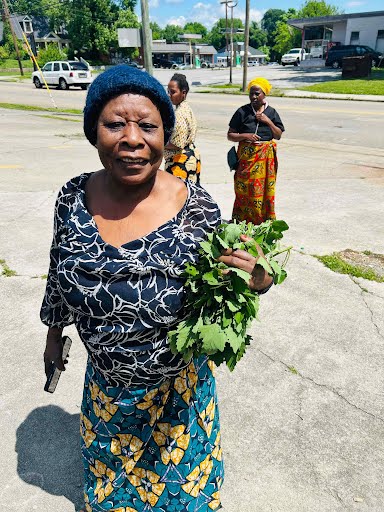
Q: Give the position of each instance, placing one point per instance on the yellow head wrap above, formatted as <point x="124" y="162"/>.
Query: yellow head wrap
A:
<point x="263" y="83"/>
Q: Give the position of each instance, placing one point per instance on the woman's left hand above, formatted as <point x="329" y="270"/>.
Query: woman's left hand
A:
<point x="259" y="278"/>
<point x="261" y="117"/>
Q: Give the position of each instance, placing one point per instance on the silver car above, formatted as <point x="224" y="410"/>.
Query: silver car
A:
<point x="63" y="74"/>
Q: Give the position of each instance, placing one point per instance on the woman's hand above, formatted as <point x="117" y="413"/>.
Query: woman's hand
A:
<point x="262" y="118"/>
<point x="54" y="349"/>
<point x="251" y="137"/>
<point x="259" y="278"/>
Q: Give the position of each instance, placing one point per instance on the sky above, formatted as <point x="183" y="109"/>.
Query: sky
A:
<point x="179" y="12"/>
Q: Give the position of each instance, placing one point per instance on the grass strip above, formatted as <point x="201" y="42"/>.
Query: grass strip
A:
<point x="60" y="118"/>
<point x="7" y="272"/>
<point x="335" y="263"/>
<point x="33" y="108"/>
<point x="373" y="85"/>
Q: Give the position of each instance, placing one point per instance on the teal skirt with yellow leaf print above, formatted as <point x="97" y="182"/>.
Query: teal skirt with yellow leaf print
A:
<point x="155" y="448"/>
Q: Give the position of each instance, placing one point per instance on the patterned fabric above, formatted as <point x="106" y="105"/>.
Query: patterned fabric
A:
<point x="152" y="448"/>
<point x="186" y="162"/>
<point x="123" y="300"/>
<point x="255" y="180"/>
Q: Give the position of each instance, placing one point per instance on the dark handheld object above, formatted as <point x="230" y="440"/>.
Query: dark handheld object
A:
<point x="232" y="159"/>
<point x="54" y="372"/>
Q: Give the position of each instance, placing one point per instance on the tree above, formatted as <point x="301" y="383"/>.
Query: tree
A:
<point x="314" y="8"/>
<point x="217" y="35"/>
<point x="286" y="36"/>
<point x="257" y="36"/>
<point x="126" y="19"/>
<point x="269" y="23"/>
<point x="157" y="32"/>
<point x="194" y="27"/>
<point x="90" y="26"/>
<point x="171" y="33"/>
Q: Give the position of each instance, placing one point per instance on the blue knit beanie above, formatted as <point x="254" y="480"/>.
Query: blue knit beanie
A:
<point x="125" y="79"/>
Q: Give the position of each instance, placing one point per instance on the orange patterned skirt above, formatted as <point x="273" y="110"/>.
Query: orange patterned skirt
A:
<point x="185" y="165"/>
<point x="255" y="181"/>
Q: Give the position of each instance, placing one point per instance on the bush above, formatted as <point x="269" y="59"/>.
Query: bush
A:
<point x="51" y="52"/>
<point x="4" y="55"/>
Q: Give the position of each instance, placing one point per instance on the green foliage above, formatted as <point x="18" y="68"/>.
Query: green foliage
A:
<point x="221" y="304"/>
<point x="373" y="85"/>
<point x="4" y="54"/>
<point x="314" y="8"/>
<point x="194" y="27"/>
<point x="171" y="33"/>
<point x="286" y="37"/>
<point x="257" y="36"/>
<point x="267" y="52"/>
<point x="51" y="52"/>
<point x="217" y="35"/>
<point x="6" y="271"/>
<point x="156" y="30"/>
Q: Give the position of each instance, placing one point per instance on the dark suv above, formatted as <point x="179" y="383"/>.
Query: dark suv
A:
<point x="336" y="54"/>
<point x="164" y="63"/>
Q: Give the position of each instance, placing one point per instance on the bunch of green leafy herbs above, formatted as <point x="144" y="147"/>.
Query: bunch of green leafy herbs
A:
<point x="220" y="304"/>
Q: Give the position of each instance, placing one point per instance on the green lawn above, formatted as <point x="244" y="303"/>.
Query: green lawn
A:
<point x="373" y="85"/>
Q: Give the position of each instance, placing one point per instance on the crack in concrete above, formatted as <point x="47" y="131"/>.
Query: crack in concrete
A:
<point x="324" y="386"/>
<point x="367" y="306"/>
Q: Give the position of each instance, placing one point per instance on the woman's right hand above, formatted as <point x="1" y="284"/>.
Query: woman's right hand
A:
<point x="54" y="349"/>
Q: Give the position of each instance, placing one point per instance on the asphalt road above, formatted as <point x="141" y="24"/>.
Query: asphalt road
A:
<point x="328" y="121"/>
<point x="302" y="416"/>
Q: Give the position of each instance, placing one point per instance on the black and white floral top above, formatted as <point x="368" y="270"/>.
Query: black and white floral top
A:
<point x="123" y="300"/>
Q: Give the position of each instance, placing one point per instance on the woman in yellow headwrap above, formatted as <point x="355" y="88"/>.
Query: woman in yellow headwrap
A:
<point x="255" y="126"/>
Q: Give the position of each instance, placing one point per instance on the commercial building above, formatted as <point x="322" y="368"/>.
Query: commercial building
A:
<point x="364" y="28"/>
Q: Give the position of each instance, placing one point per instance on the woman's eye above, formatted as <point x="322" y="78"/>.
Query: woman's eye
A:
<point x="117" y="125"/>
<point x="147" y="127"/>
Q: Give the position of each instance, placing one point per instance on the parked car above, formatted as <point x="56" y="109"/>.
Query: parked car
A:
<point x="206" y="64"/>
<point x="63" y="74"/>
<point x="294" y="56"/>
<point x="336" y="53"/>
<point x="164" y="63"/>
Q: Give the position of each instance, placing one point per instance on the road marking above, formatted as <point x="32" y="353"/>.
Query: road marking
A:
<point x="11" y="166"/>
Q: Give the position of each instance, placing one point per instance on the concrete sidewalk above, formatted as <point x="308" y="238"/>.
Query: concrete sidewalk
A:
<point x="294" y="93"/>
<point x="302" y="415"/>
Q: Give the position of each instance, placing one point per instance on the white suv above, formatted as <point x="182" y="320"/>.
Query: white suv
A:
<point x="294" y="56"/>
<point x="63" y="73"/>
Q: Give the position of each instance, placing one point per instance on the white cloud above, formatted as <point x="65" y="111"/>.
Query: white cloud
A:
<point x="181" y="21"/>
<point x="173" y="1"/>
<point x="153" y="3"/>
<point x="354" y="4"/>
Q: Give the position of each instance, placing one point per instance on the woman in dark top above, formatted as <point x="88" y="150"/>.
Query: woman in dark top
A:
<point x="254" y="126"/>
<point x="122" y="238"/>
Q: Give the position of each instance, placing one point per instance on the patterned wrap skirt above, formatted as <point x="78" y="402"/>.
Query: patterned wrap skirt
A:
<point x="185" y="165"/>
<point x="255" y="181"/>
<point x="154" y="448"/>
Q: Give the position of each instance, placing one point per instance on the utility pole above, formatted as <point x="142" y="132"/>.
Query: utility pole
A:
<point x="246" y="45"/>
<point x="146" y="38"/>
<point x="231" y="4"/>
<point x="7" y="17"/>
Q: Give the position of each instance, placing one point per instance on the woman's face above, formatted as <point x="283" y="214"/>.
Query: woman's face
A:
<point x="130" y="139"/>
<point x="175" y="94"/>
<point x="256" y="96"/>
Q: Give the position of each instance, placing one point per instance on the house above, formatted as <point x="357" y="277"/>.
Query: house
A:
<point x="255" y="56"/>
<point x="42" y="33"/>
<point x="365" y="28"/>
<point x="182" y="52"/>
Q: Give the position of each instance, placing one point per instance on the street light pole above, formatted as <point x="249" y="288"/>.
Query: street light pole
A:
<point x="7" y="16"/>
<point x="246" y="45"/>
<point x="231" y="4"/>
<point x="146" y="39"/>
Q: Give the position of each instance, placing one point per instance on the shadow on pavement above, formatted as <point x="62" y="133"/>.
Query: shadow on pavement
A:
<point x="48" y="448"/>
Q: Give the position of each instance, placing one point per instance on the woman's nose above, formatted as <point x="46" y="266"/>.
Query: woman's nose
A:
<point x="132" y="135"/>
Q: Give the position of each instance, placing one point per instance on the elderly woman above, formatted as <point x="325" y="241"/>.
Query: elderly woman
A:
<point x="254" y="126"/>
<point x="182" y="158"/>
<point x="122" y="237"/>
